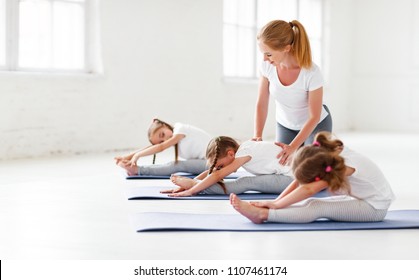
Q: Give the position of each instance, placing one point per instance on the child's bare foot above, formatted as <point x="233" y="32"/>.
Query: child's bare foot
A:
<point x="184" y="182"/>
<point x="255" y="214"/>
<point x="131" y="170"/>
<point x="119" y="159"/>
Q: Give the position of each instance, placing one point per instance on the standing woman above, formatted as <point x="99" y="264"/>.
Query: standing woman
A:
<point x="296" y="83"/>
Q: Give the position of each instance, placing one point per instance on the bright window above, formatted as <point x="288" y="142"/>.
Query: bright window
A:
<point x="45" y="35"/>
<point x="244" y="18"/>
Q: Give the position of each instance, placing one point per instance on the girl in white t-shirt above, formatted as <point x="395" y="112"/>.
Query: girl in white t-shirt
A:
<point x="189" y="142"/>
<point x="289" y="75"/>
<point x="362" y="193"/>
<point x="225" y="156"/>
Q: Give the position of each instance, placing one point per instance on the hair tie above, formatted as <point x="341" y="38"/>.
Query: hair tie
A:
<point x="317" y="179"/>
<point x="316" y="143"/>
<point x="328" y="169"/>
<point x="291" y="24"/>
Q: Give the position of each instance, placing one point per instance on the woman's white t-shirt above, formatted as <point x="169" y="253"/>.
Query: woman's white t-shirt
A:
<point x="292" y="101"/>
<point x="367" y="182"/>
<point x="263" y="158"/>
<point x="195" y="142"/>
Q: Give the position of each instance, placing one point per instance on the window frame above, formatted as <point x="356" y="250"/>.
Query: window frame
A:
<point x="12" y="41"/>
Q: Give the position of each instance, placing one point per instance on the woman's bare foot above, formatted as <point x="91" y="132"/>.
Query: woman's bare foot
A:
<point x="131" y="169"/>
<point x="255" y="214"/>
<point x="184" y="182"/>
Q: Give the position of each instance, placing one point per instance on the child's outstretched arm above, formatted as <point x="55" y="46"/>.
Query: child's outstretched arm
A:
<point x="157" y="148"/>
<point x="270" y="203"/>
<point x="297" y="194"/>
<point x="214" y="177"/>
<point x="292" y="186"/>
<point x="129" y="156"/>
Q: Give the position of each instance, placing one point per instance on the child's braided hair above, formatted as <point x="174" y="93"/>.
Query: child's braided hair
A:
<point x="218" y="148"/>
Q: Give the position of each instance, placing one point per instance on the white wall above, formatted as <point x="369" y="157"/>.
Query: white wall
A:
<point x="164" y="58"/>
<point x="337" y="22"/>
<point x="385" y="76"/>
<point x="374" y="64"/>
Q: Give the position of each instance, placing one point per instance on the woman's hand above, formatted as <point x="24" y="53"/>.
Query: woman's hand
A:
<point x="256" y="139"/>
<point x="286" y="154"/>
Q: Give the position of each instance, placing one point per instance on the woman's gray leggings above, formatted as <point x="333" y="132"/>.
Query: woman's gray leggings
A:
<point x="337" y="208"/>
<point x="194" y="166"/>
<point x="286" y="135"/>
<point x="272" y="183"/>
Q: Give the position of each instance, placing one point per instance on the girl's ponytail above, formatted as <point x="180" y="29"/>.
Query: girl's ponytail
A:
<point x="325" y="140"/>
<point x="321" y="161"/>
<point x="301" y="45"/>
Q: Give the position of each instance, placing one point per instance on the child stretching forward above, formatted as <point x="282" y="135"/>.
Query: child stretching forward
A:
<point x="189" y="142"/>
<point x="326" y="165"/>
<point x="225" y="156"/>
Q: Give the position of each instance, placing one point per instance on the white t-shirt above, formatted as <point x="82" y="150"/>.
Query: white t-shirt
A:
<point x="292" y="101"/>
<point x="263" y="158"/>
<point x="195" y="142"/>
<point x="367" y="182"/>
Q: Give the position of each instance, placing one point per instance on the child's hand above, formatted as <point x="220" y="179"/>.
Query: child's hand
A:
<point x="117" y="159"/>
<point x="178" y="192"/>
<point x="181" y="194"/>
<point x="262" y="204"/>
<point x="133" y="160"/>
<point x="179" y="189"/>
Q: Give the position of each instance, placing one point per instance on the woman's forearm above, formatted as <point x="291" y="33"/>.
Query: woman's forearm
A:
<point x="262" y="106"/>
<point x="304" y="132"/>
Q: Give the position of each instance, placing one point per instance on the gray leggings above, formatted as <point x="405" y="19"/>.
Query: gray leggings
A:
<point x="286" y="135"/>
<point x="338" y="208"/>
<point x="194" y="166"/>
<point x="272" y="183"/>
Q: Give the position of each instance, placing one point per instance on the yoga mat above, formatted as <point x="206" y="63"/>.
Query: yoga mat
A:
<point x="234" y="175"/>
<point x="151" y="192"/>
<point x="162" y="221"/>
